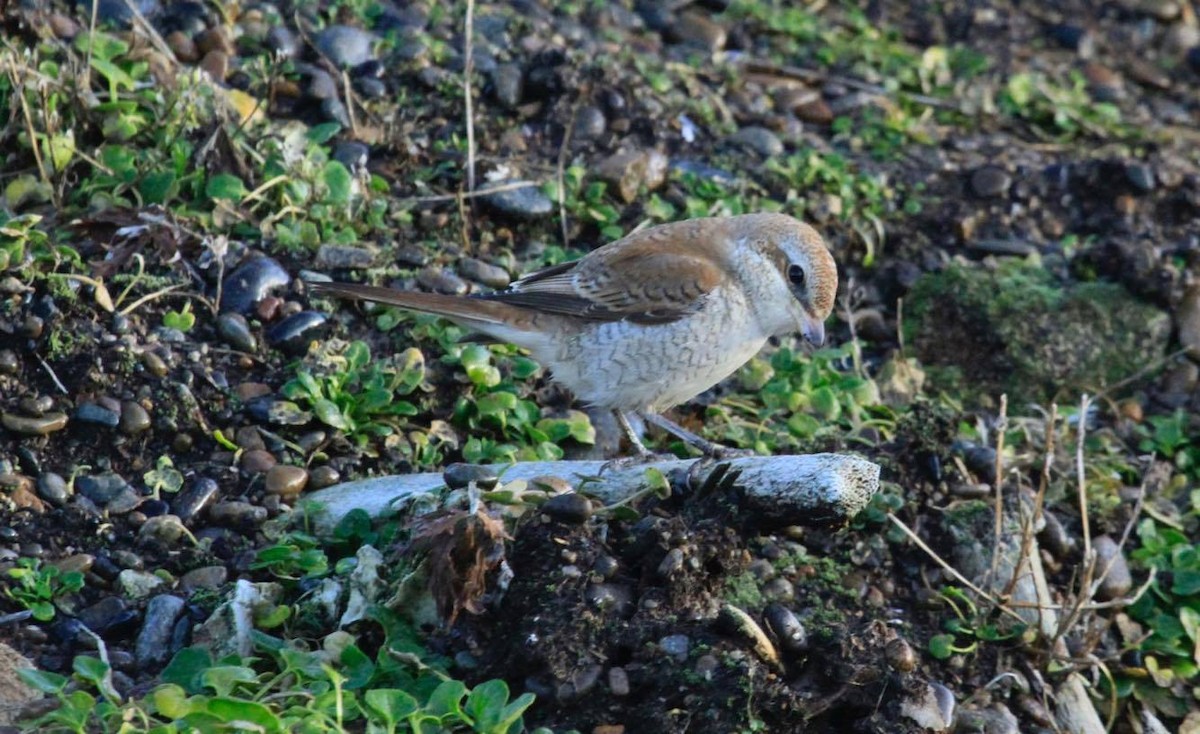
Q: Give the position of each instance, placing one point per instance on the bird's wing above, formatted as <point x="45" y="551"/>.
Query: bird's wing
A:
<point x="655" y="276"/>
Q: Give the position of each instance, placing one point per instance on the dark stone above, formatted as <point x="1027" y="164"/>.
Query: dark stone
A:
<point x="251" y="282"/>
<point x="296" y="331"/>
<point x="570" y="508"/>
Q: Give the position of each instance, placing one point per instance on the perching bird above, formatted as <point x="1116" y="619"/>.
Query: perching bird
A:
<point x="654" y="319"/>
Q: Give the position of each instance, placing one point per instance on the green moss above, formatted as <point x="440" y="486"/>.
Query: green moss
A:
<point x="1016" y="330"/>
<point x="742" y="591"/>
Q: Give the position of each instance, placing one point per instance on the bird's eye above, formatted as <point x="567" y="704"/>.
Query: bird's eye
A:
<point x="796" y="275"/>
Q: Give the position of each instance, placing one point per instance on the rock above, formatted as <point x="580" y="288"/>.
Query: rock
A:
<point x="182" y="45"/>
<point x="758" y="139"/>
<point x="258" y="461"/>
<point x="193" y="500"/>
<point x="296" y="332"/>
<point x="628" y="171"/>
<point x="134" y="418"/>
<point x="1016" y="330"/>
<point x="14" y="693"/>
<point x="996" y="719"/>
<point x="323" y="476"/>
<point x="1075" y="38"/>
<point x="440" y="280"/>
<point x="482" y="272"/>
<point x="345" y="46"/>
<point x="695" y="29"/>
<point x="108" y="614"/>
<point x="9" y="364"/>
<point x="344" y="257"/>
<point x="1117" y="581"/>
<point x="525" y="201"/>
<point x="990" y="182"/>
<point x="1187" y="322"/>
<point x="42" y="425"/>
<point x="1104" y="84"/>
<point x="101" y="488"/>
<point x="459" y="476"/>
<point x="618" y="682"/>
<point x="237" y="515"/>
<point x="901" y="656"/>
<point x="590" y="124"/>
<point x="216" y="65"/>
<point x="283" y="43"/>
<point x="286" y="481"/>
<point x="671" y="564"/>
<point x="206" y="577"/>
<point x="1141" y="177"/>
<point x="571" y="508"/>
<point x="676" y="646"/>
<point x="250" y="283"/>
<point x="508" y="85"/>
<point x="235" y="331"/>
<point x="138" y="584"/>
<point x="54" y="489"/>
<point x="930" y="707"/>
<point x="97" y="415"/>
<point x="153" y="646"/>
<point x="787" y="630"/>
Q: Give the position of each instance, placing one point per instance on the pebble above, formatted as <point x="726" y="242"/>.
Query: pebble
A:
<point x="606" y="596"/>
<point x="671" y="564"/>
<point x="697" y="30"/>
<point x="995" y="719"/>
<point x="286" y="481"/>
<point x="205" y="577"/>
<point x="154" y="364"/>
<point x="134" y="418"/>
<point x="571" y="508"/>
<point x="1118" y="580"/>
<point x="153" y="646"/>
<point x="235" y="331"/>
<point x="1105" y="84"/>
<point x="194" y="499"/>
<point x="250" y="283"/>
<point x="107" y="615"/>
<point x="1141" y="177"/>
<point x="460" y="475"/>
<point x="590" y="124"/>
<point x="931" y="707"/>
<point x="101" y="488"/>
<point x="163" y="530"/>
<point x="524" y="202"/>
<point x="1187" y="321"/>
<point x="216" y="65"/>
<point x="440" y="280"/>
<point x="54" y="489"/>
<point x="324" y="476"/>
<point x="296" y="332"/>
<point x="618" y="682"/>
<point x="237" y="514"/>
<point x="508" y="84"/>
<point x="137" y="584"/>
<point x="990" y="181"/>
<point x="787" y="630"/>
<point x="182" y="45"/>
<point x="1075" y="38"/>
<point x="338" y="257"/>
<point x="42" y="425"/>
<point x="282" y="42"/>
<point x="676" y="646"/>
<point x="901" y="655"/>
<point x="258" y="461"/>
<point x="9" y="364"/>
<point x="758" y="139"/>
<point x="344" y="45"/>
<point x="479" y="271"/>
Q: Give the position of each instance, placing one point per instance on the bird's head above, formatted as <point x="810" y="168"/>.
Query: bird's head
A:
<point x="802" y="274"/>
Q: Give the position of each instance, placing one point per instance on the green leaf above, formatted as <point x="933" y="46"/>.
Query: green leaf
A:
<point x="357" y="355"/>
<point x="225" y="186"/>
<point x="485" y="705"/>
<point x="171" y="701"/>
<point x="323" y="133"/>
<point x="330" y="414"/>
<point x="157" y="187"/>
<point x="1186" y="583"/>
<point x="339" y="182"/>
<point x="187" y="668"/>
<point x="391" y="705"/>
<point x="240" y="710"/>
<point x="941" y="646"/>
<point x="446" y="699"/>
<point x="89" y="668"/>
<point x="224" y="678"/>
<point x="42" y="680"/>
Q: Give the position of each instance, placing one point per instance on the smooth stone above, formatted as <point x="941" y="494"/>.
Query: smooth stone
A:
<point x="258" y="461"/>
<point x="134" y="418"/>
<point x="36" y="406"/>
<point x="324" y="476"/>
<point x="571" y="508"/>
<point x="990" y="181"/>
<point x="296" y="331"/>
<point x="1118" y="581"/>
<point x="101" y="488"/>
<point x="250" y="283"/>
<point x="1075" y="38"/>
<point x="9" y="364"/>
<point x="526" y="202"/>
<point x="345" y="257"/>
<point x="286" y="481"/>
<point x="672" y="563"/>
<point x="508" y="85"/>
<point x="996" y="719"/>
<point x="371" y="88"/>
<point x="460" y="475"/>
<point x="42" y="425"/>
<point x="137" y="584"/>
<point x="153" y="646"/>
<point x="237" y="514"/>
<point x="234" y="329"/>
<point x="345" y="46"/>
<point x="590" y="124"/>
<point x="758" y="139"/>
<point x="182" y="45"/>
<point x="283" y="42"/>
<point x="206" y="577"/>
<point x="164" y="530"/>
<point x="786" y="628"/>
<point x="354" y="156"/>
<point x="618" y="682"/>
<point x="697" y="30"/>
<point x="1141" y="176"/>
<point x="930" y="706"/>
<point x="108" y="616"/>
<point x="617" y="597"/>
<point x="442" y="281"/>
<point x="320" y="84"/>
<point x="154" y="364"/>
<point x="54" y="489"/>
<point x="185" y="16"/>
<point x="486" y="273"/>
<point x="216" y="65"/>
<point x="194" y="499"/>
<point x="677" y="646"/>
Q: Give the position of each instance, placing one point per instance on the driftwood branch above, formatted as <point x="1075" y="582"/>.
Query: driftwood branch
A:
<point x="787" y="490"/>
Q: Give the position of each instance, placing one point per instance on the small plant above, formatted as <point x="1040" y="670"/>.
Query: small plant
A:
<point x="164" y="477"/>
<point x="294" y="556"/>
<point x="37" y="587"/>
<point x="968" y="624"/>
<point x="1060" y="111"/>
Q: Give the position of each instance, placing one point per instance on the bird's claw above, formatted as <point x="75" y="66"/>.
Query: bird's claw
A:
<point x="627" y="462"/>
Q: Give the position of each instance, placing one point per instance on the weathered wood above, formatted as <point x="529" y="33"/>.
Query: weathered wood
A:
<point x="789" y="490"/>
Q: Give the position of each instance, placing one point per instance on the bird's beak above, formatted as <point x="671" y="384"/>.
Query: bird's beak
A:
<point x="813" y="330"/>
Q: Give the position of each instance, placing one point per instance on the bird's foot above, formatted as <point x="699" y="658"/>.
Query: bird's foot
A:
<point x="725" y="453"/>
<point x="641" y="458"/>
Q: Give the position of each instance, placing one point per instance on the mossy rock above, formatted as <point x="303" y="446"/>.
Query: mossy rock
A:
<point x="1016" y="330"/>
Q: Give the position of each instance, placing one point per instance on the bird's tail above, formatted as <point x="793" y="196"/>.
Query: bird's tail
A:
<point x="503" y="321"/>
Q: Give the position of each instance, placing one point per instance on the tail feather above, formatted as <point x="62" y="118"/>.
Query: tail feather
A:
<point x="471" y="312"/>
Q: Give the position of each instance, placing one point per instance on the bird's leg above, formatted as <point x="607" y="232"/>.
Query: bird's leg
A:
<point x="642" y="454"/>
<point x="708" y="448"/>
<point x="634" y="440"/>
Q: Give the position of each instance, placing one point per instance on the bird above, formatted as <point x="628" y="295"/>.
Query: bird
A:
<point x="651" y="320"/>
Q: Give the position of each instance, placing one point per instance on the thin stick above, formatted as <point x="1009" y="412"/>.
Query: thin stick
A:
<point x="50" y="371"/>
<point x="560" y="175"/>
<point x="1038" y="500"/>
<point x="953" y="571"/>
<point x="1081" y="484"/>
<point x="467" y="195"/>
<point x="998" y="531"/>
<point x="37" y="149"/>
<point x="467" y="69"/>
